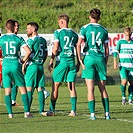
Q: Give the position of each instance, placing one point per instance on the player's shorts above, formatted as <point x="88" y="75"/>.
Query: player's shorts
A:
<point x="65" y="71"/>
<point x="126" y="73"/>
<point x="12" y="74"/>
<point x="95" y="68"/>
<point x="34" y="76"/>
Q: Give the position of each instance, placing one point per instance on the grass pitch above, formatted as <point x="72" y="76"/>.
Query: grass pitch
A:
<point x="121" y="115"/>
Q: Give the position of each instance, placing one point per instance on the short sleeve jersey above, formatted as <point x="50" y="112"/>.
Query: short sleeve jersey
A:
<point x="10" y="44"/>
<point x="125" y="51"/>
<point x="95" y="37"/>
<point x="67" y="39"/>
<point x="38" y="46"/>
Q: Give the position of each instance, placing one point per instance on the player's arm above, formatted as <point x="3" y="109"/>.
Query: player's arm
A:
<point x="115" y="60"/>
<point x="54" y="53"/>
<point x="78" y="49"/>
<point x="26" y="57"/>
<point x="106" y="46"/>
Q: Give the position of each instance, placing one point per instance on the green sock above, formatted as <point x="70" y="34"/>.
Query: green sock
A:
<point x="8" y="103"/>
<point x="29" y="94"/>
<point x="130" y="92"/>
<point x="73" y="101"/>
<point x="41" y="100"/>
<point x="14" y="92"/>
<point x="91" y="106"/>
<point x="105" y="102"/>
<point x="52" y="105"/>
<point x="25" y="102"/>
<point x="123" y="90"/>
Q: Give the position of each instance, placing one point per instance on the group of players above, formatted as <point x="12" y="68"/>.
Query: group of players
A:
<point x="28" y="73"/>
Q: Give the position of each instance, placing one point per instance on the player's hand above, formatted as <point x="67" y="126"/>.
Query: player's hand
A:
<point x="77" y="67"/>
<point x="23" y="68"/>
<point x="50" y="66"/>
<point x="82" y="64"/>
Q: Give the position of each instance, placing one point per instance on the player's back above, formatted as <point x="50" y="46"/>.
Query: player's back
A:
<point x="10" y="45"/>
<point x="95" y="37"/>
<point x="38" y="47"/>
<point x="67" y="41"/>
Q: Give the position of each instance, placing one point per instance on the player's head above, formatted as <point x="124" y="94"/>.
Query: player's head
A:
<point x="16" y="29"/>
<point x="63" y="21"/>
<point x="127" y="33"/>
<point x="10" y="24"/>
<point x="95" y="14"/>
<point x="32" y="28"/>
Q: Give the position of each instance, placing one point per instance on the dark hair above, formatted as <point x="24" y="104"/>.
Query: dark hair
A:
<point x="10" y="23"/>
<point x="95" y="13"/>
<point x="64" y="17"/>
<point x="34" y="24"/>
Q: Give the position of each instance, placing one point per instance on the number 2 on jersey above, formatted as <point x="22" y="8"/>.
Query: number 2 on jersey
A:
<point x="68" y="42"/>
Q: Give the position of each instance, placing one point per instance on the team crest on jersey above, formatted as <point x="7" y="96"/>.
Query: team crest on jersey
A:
<point x="68" y="53"/>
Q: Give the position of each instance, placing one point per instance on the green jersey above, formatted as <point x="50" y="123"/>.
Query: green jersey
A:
<point x="95" y="36"/>
<point x="67" y="39"/>
<point x="38" y="47"/>
<point x="125" y="51"/>
<point x="10" y="44"/>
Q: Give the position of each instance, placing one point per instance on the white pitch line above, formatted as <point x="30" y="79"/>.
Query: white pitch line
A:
<point x="124" y="120"/>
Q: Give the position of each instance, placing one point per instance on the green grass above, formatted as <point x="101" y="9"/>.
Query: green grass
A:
<point x="121" y="122"/>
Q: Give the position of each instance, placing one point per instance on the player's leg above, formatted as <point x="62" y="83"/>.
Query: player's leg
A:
<point x="30" y="95"/>
<point x="41" y="100"/>
<point x="30" y="80"/>
<point x="58" y="77"/>
<point x="105" y="99"/>
<point x="100" y="76"/>
<point x="54" y="95"/>
<point x="7" y="99"/>
<point x="7" y="86"/>
<point x="89" y="74"/>
<point x="24" y="98"/>
<point x="71" y="77"/>
<point x="14" y="95"/>
<point x="91" y="97"/>
<point x="130" y="92"/>
<point x="73" y="98"/>
<point x="20" y="82"/>
<point x="123" y="75"/>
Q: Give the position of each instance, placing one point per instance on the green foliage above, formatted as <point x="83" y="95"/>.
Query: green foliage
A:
<point x="115" y="14"/>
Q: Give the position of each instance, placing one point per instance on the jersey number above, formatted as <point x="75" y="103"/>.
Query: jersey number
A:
<point x="41" y="50"/>
<point x="68" y="42"/>
<point x="96" y="39"/>
<point x="10" y="49"/>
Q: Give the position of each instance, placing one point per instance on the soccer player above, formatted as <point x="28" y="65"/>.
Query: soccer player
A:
<point x="124" y="49"/>
<point x="14" y="89"/>
<point x="94" y="63"/>
<point x="34" y="75"/>
<point x="10" y="44"/>
<point x="65" y="41"/>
